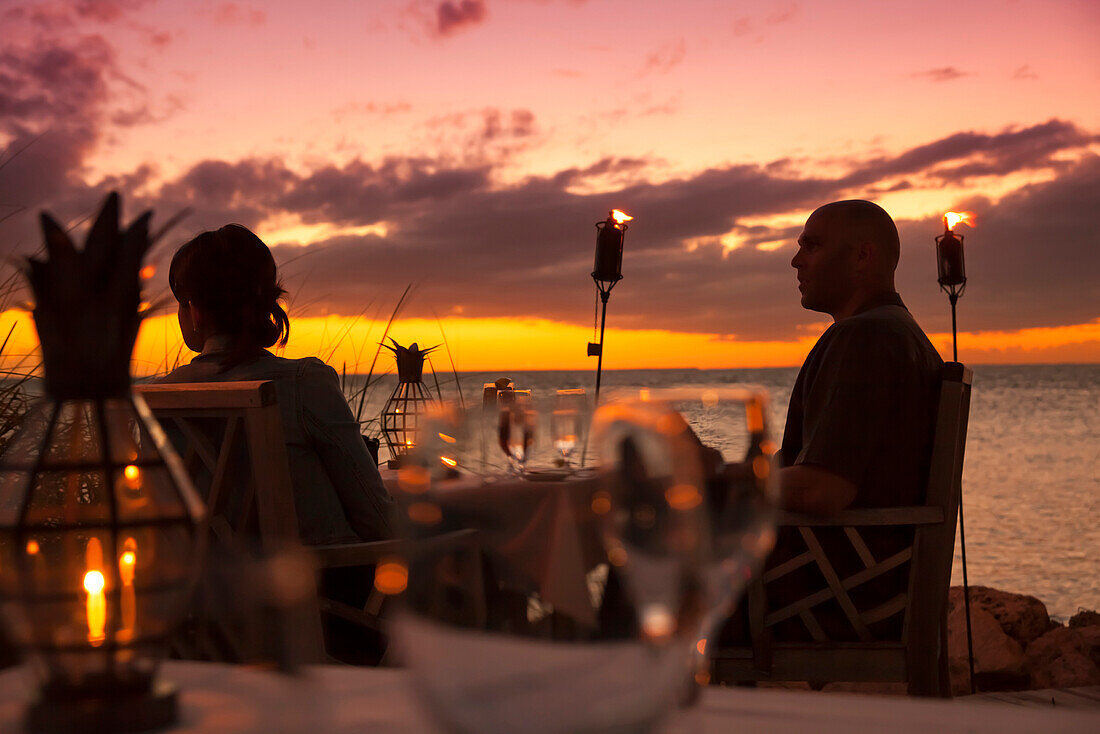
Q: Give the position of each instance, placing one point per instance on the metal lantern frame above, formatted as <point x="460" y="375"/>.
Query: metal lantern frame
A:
<point x="409" y="401"/>
<point x="101" y="530"/>
<point x="951" y="270"/>
<point x="97" y="631"/>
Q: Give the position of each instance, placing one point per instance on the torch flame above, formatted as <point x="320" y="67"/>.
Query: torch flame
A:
<point x="620" y="216"/>
<point x="951" y="219"/>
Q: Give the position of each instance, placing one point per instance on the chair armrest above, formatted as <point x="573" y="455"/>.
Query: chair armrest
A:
<point x="866" y="516"/>
<point x="356" y="554"/>
<point x="366" y="554"/>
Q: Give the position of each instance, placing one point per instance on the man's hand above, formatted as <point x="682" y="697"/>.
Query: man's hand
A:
<point x="811" y="489"/>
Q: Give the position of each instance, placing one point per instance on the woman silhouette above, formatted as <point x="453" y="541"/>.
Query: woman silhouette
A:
<point x="228" y="292"/>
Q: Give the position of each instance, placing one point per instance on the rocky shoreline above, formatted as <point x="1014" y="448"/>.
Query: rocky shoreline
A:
<point x="1016" y="644"/>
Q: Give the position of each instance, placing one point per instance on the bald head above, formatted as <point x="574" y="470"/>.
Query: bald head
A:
<point x="847" y="254"/>
<point x="862" y="222"/>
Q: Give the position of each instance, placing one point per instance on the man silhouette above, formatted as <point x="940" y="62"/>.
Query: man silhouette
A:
<point x="862" y="411"/>
<point x="859" y="425"/>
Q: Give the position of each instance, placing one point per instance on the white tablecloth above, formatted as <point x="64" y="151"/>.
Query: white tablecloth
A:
<point x="219" y="698"/>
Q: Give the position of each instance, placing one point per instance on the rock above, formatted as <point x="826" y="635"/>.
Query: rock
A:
<point x="1065" y="657"/>
<point x="1023" y="618"/>
<point x="998" y="658"/>
<point x="1085" y="618"/>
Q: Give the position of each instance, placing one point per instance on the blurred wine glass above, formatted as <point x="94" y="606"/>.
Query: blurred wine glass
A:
<point x="568" y="422"/>
<point x="730" y="428"/>
<point x="502" y="625"/>
<point x="516" y="429"/>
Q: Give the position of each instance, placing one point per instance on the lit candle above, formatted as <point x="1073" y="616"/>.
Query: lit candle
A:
<point x="127" y="562"/>
<point x="96" y="605"/>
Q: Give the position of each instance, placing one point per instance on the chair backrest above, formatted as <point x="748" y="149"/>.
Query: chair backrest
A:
<point x="230" y="436"/>
<point x="934" y="545"/>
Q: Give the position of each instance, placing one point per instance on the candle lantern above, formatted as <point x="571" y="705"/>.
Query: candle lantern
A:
<point x="406" y="405"/>
<point x="100" y="538"/>
<point x="608" y="265"/>
<point x="606" y="272"/>
<point x="951" y="265"/>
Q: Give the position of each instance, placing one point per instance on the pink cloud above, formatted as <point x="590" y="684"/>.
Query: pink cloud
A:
<point x="452" y="16"/>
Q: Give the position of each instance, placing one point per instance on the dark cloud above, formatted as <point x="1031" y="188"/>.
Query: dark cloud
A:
<point x="453" y="15"/>
<point x="941" y="74"/>
<point x="1031" y="261"/>
<point x="60" y="86"/>
<point x="965" y="154"/>
<point x="51" y="98"/>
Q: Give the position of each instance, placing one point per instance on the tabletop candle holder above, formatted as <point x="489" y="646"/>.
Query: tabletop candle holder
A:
<point x="100" y="540"/>
<point x="406" y="405"/>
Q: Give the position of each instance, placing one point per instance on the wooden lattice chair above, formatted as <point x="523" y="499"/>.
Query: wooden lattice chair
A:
<point x="233" y="445"/>
<point x="919" y="656"/>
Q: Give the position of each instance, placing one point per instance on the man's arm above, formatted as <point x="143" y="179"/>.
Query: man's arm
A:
<point x="814" y="490"/>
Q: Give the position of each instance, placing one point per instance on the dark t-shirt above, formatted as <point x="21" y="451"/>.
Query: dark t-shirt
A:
<point x="863" y="407"/>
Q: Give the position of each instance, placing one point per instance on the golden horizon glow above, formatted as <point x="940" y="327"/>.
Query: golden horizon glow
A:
<point x="495" y="344"/>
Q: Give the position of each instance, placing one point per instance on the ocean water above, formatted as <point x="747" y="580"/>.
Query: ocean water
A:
<point x="1031" y="478"/>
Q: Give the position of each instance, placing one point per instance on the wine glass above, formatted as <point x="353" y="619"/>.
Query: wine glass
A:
<point x="492" y="636"/>
<point x="567" y="422"/>
<point x="516" y="429"/>
<point x="730" y="426"/>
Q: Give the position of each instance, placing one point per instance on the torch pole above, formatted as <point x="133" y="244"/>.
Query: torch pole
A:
<point x="954" y="297"/>
<point x="599" y="359"/>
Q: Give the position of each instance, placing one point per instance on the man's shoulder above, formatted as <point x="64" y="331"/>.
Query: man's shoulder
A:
<point x="886" y="333"/>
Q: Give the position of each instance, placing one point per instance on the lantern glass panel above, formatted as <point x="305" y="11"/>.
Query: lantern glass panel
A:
<point x="76" y="437"/>
<point x="98" y="544"/>
<point x="68" y="497"/>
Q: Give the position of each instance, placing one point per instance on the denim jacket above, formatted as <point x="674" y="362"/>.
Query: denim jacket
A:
<point x="338" y="494"/>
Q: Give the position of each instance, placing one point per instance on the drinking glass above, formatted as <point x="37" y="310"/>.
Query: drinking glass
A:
<point x="492" y="636"/>
<point x="731" y="430"/>
<point x="568" y="422"/>
<point x="517" y="423"/>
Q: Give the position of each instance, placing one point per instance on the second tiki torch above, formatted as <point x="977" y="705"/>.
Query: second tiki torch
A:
<point x="606" y="272"/>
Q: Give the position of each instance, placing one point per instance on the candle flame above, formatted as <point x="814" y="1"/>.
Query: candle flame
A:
<point x="148" y="272"/>
<point x="93" y="582"/>
<point x="448" y="461"/>
<point x="620" y="216"/>
<point x="951" y="219"/>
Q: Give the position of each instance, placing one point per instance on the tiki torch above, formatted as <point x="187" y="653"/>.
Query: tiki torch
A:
<point x="606" y="272"/>
<point x="952" y="266"/>
<point x="952" y="279"/>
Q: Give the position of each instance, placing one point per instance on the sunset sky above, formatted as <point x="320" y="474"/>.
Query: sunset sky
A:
<point x="468" y="147"/>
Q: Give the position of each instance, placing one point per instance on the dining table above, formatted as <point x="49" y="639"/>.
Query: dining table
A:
<point x="540" y="530"/>
<point x="217" y="698"/>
